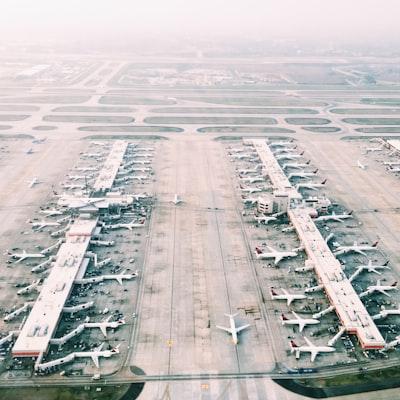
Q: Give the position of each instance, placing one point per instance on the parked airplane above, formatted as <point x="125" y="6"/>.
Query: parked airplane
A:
<point x="289" y="297"/>
<point x="296" y="165"/>
<point x="361" y="165"/>
<point x="73" y="186"/>
<point x="100" y="278"/>
<point x="79" y="177"/>
<point x="233" y="330"/>
<point x="176" y="200"/>
<point x="383" y="289"/>
<point x="281" y="143"/>
<point x="355" y="248"/>
<point x="265" y="219"/>
<point x="310" y="186"/>
<point x="301" y="322"/>
<point x="18" y="311"/>
<point x="128" y="226"/>
<point x="253" y="179"/>
<point x="245" y="156"/>
<point x="38" y="226"/>
<point x="394" y="170"/>
<point x="334" y="217"/>
<point x="250" y="200"/>
<point x="33" y="182"/>
<point x="373" y="149"/>
<point x="305" y="175"/>
<point x="369" y="268"/>
<point x="139" y="196"/>
<point x="391" y="163"/>
<point x="278" y="256"/>
<point x="255" y="170"/>
<point x="384" y="313"/>
<point x="250" y="189"/>
<point x="309" y="348"/>
<point x="29" y="151"/>
<point x="42" y="266"/>
<point x="102" y="144"/>
<point x="94" y="355"/>
<point x="24" y="255"/>
<point x="30" y="288"/>
<point x="289" y="156"/>
<point x="139" y="177"/>
<point x="85" y="169"/>
<point x="51" y="212"/>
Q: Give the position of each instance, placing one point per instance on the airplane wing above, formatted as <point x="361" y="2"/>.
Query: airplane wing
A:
<point x="384" y="292"/>
<point x="360" y="252"/>
<point x="103" y="330"/>
<point x="278" y="259"/>
<point x="241" y="328"/>
<point x="95" y="359"/>
<point x="314" y="354"/>
<point x="301" y="325"/>
<point x="224" y="329"/>
<point x="119" y="280"/>
<point x="308" y="341"/>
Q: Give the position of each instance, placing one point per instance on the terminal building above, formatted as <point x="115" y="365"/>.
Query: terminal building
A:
<point x="350" y="310"/>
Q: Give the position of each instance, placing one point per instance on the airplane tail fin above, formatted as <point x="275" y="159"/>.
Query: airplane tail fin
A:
<point x="283" y="317"/>
<point x="293" y="345"/>
<point x="394" y="284"/>
<point x="315" y="171"/>
<point x="308" y="162"/>
<point x="324" y="181"/>
<point x="273" y="293"/>
<point x="302" y="153"/>
<point x="258" y="250"/>
<point x="231" y="315"/>
<point x="375" y="244"/>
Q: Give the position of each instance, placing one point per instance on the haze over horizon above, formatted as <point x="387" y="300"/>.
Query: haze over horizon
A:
<point x="97" y="21"/>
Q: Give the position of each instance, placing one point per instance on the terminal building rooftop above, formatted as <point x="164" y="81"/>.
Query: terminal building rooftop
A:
<point x="350" y="310"/>
<point x="109" y="171"/>
<point x="43" y="319"/>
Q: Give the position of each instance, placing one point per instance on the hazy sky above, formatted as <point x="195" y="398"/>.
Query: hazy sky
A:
<point x="83" y="19"/>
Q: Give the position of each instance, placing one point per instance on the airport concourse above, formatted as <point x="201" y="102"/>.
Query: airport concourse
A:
<point x="188" y="216"/>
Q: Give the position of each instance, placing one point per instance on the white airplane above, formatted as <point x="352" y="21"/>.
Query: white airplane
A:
<point x="289" y="156"/>
<point x="233" y="330"/>
<point x="139" y="196"/>
<point x="29" y="151"/>
<point x="394" y="170"/>
<point x="253" y="179"/>
<point x="265" y="219"/>
<point x="301" y="322"/>
<point x="97" y="279"/>
<point x="281" y="143"/>
<point x="106" y="243"/>
<point x="254" y="170"/>
<point x="38" y="226"/>
<point x="51" y="212"/>
<point x="85" y="169"/>
<point x="311" y="185"/>
<point x="391" y="163"/>
<point x="24" y="255"/>
<point x="334" y="217"/>
<point x="176" y="200"/>
<point x="79" y="307"/>
<point x="142" y="162"/>
<point x="289" y="297"/>
<point x="140" y="169"/>
<point x="79" y="177"/>
<point x="296" y="165"/>
<point x="128" y="226"/>
<point x="382" y="314"/>
<point x="30" y="288"/>
<point x="93" y="155"/>
<point x="373" y="149"/>
<point x="278" y="256"/>
<point x="245" y="156"/>
<point x="361" y="165"/>
<point x="379" y="288"/>
<point x="236" y="150"/>
<point x="250" y="200"/>
<point x="305" y="175"/>
<point x="33" y="182"/>
<point x="104" y="325"/>
<point x="369" y="268"/>
<point x="250" y="189"/>
<point x="94" y="355"/>
<point x="145" y="148"/>
<point x="102" y="144"/>
<point x="355" y="248"/>
<point x="309" y="348"/>
<point x="73" y="186"/>
<point x="139" y="177"/>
